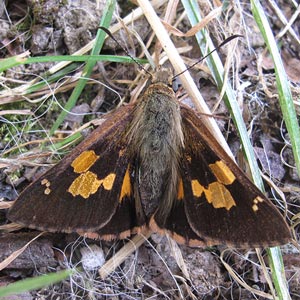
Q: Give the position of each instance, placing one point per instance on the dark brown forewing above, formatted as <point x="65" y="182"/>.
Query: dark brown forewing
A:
<point x="245" y="217"/>
<point x="52" y="207"/>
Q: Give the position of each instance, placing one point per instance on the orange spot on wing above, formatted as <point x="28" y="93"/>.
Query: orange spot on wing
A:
<point x="256" y="202"/>
<point x="126" y="186"/>
<point x="87" y="184"/>
<point x="180" y="193"/>
<point x="218" y="195"/>
<point x="47" y="191"/>
<point x="84" y="161"/>
<point x="108" y="181"/>
<point x="45" y="182"/>
<point x="197" y="188"/>
<point x="222" y="172"/>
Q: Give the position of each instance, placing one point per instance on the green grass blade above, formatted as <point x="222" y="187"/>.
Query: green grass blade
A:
<point x="284" y="92"/>
<point x="278" y="273"/>
<point x="105" y="21"/>
<point x="34" y="283"/>
<point x="290" y="118"/>
<point x="71" y="139"/>
<point x="50" y="78"/>
<point x="15" y="60"/>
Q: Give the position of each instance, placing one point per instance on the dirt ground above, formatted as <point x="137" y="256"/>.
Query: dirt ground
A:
<point x="159" y="268"/>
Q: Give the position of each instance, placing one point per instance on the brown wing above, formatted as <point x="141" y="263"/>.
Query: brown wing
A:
<point x="218" y="204"/>
<point x="87" y="188"/>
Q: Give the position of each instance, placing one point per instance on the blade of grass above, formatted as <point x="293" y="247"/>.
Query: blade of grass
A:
<point x="34" y="283"/>
<point x="278" y="273"/>
<point x="15" y="60"/>
<point x="290" y="118"/>
<point x="284" y="92"/>
<point x="71" y="139"/>
<point x="49" y="78"/>
<point x="105" y="21"/>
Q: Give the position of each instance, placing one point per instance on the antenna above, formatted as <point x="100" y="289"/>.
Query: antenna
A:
<point x="218" y="47"/>
<point x="117" y="42"/>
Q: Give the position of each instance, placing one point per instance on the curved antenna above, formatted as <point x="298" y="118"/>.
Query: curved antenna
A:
<point x="117" y="42"/>
<point x="218" y="47"/>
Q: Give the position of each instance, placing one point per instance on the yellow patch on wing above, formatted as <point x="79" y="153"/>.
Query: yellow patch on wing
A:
<point x="216" y="194"/>
<point x="197" y="188"/>
<point x="47" y="191"/>
<point x="87" y="184"/>
<point x="222" y="172"/>
<point x="108" y="181"/>
<point x="189" y="159"/>
<point x="84" y="161"/>
<point x="180" y="193"/>
<point x="256" y="201"/>
<point x="126" y="186"/>
<point x="47" y="184"/>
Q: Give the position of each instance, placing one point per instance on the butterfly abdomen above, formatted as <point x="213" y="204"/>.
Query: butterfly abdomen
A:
<point x="157" y="139"/>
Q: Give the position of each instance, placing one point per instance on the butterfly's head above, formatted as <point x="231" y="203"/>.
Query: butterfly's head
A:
<point x="163" y="75"/>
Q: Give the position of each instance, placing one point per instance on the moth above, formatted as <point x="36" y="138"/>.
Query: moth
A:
<point x="152" y="165"/>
